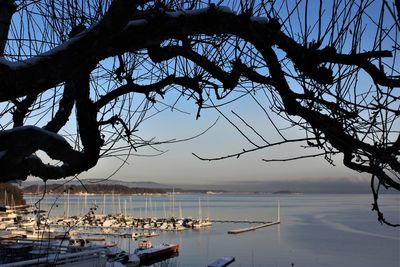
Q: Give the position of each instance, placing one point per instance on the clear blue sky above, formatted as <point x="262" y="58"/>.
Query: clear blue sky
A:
<point x="178" y="165"/>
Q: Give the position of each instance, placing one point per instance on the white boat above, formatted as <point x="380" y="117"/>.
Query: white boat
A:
<point x="6" y="234"/>
<point x="17" y="231"/>
<point x="197" y="224"/>
<point x="136" y="235"/>
<point x="107" y="231"/>
<point x="35" y="233"/>
<point x="150" y="234"/>
<point x="163" y="226"/>
<point x="87" y="258"/>
<point x="179" y="227"/>
<point x="146" y="226"/>
<point x="30" y="222"/>
<point x="78" y="242"/>
<point x="7" y="219"/>
<point x="3" y="226"/>
<point x="206" y="222"/>
<point x="109" y="222"/>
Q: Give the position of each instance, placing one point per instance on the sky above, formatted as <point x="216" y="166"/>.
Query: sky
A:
<point x="179" y="166"/>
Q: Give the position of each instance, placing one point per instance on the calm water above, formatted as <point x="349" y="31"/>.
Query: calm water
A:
<point x="316" y="230"/>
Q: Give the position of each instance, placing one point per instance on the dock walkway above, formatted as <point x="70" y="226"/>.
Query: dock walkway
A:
<point x="237" y="221"/>
<point x="253" y="228"/>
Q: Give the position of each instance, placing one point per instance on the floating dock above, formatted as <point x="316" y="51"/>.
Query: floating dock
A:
<point x="236" y="221"/>
<point x="252" y="228"/>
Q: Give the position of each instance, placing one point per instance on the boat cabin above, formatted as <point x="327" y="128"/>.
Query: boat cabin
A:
<point x="144" y="244"/>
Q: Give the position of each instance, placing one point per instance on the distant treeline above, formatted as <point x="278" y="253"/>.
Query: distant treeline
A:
<point x="90" y="189"/>
<point x="11" y="195"/>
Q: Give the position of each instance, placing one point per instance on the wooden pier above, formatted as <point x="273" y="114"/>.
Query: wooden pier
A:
<point x="238" y="221"/>
<point x="252" y="228"/>
<point x="262" y="225"/>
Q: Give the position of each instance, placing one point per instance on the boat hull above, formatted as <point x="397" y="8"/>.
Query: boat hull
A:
<point x="156" y="254"/>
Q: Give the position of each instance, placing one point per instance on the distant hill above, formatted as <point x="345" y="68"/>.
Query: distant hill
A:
<point x="140" y="184"/>
<point x="97" y="188"/>
<point x="323" y="185"/>
<point x="101" y="186"/>
<point x="285" y="192"/>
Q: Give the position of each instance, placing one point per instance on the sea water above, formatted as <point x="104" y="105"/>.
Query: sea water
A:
<point x="315" y="230"/>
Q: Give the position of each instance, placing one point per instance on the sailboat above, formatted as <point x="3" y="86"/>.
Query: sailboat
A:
<point x="178" y="224"/>
<point x="198" y="223"/>
<point x="206" y="222"/>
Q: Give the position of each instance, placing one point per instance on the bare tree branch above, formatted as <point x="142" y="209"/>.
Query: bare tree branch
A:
<point x="7" y="9"/>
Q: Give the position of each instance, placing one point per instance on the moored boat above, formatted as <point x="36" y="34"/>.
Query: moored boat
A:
<point x="149" y="253"/>
<point x="16" y="252"/>
<point x="136" y="235"/>
<point x="39" y="233"/>
<point x="222" y="262"/>
<point x="147" y="234"/>
<point x="117" y="255"/>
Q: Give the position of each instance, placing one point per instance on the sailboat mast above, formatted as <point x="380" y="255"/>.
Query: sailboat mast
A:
<point x="104" y="204"/>
<point x="79" y="206"/>
<point x="150" y="208"/>
<point x="125" y="208"/>
<point x="279" y="211"/>
<point x="131" y="206"/>
<point x="173" y="202"/>
<point x="145" y="208"/>
<point x="200" y="210"/>
<point x="12" y="201"/>
<point x="208" y="208"/>
<point x="68" y="204"/>
<point x="155" y="209"/>
<point x="112" y="202"/>
<point x="119" y="204"/>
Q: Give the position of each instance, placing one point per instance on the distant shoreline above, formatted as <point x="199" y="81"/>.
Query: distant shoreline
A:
<point x="151" y="188"/>
<point x="100" y="194"/>
<point x="305" y="186"/>
<point x="168" y="193"/>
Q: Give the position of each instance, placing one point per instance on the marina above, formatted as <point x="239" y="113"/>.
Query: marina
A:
<point x="304" y="219"/>
<point x="76" y="231"/>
